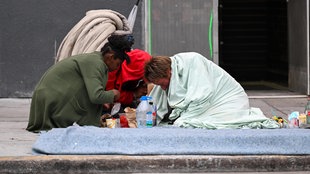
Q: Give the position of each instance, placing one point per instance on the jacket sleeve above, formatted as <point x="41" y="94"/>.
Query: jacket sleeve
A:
<point x="95" y="75"/>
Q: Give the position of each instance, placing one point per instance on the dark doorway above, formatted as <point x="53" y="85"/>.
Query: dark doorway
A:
<point x="253" y="44"/>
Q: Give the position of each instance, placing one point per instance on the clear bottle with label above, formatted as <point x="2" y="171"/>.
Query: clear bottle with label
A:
<point x="144" y="113"/>
<point x="154" y="111"/>
<point x="307" y="111"/>
<point x="149" y="119"/>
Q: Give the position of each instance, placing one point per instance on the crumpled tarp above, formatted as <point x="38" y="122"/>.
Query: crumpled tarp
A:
<point x="203" y="95"/>
<point x="90" y="140"/>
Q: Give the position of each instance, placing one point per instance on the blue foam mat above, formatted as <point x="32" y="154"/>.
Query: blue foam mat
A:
<point x="89" y="140"/>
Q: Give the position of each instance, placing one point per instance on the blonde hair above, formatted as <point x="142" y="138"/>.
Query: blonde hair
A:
<point x="157" y="68"/>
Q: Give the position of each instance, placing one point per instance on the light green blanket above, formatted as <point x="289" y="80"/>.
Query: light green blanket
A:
<point x="203" y="95"/>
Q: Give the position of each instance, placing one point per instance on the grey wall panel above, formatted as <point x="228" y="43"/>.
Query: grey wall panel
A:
<point x="32" y="30"/>
<point x="180" y="26"/>
<point x="308" y="51"/>
<point x="297" y="27"/>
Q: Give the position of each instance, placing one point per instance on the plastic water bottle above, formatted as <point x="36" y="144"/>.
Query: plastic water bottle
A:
<point x="144" y="113"/>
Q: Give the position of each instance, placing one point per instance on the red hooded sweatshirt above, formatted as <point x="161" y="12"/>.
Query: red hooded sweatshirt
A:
<point x="127" y="72"/>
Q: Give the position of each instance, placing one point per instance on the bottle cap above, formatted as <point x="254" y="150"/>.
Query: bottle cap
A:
<point x="145" y="98"/>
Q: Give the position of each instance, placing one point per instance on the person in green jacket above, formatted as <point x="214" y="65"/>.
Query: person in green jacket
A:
<point x="73" y="90"/>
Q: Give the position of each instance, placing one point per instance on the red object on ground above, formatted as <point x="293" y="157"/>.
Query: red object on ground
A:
<point x="123" y="121"/>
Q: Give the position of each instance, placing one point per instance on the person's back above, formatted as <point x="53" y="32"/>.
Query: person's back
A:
<point x="222" y="89"/>
<point x="65" y="95"/>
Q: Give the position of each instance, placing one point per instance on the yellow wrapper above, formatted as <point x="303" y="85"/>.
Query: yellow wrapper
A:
<point x="302" y="119"/>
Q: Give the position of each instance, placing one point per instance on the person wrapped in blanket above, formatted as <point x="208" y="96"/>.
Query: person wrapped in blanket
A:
<point x="74" y="89"/>
<point x="128" y="79"/>
<point x="193" y="92"/>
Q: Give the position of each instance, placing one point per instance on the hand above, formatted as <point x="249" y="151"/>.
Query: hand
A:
<point x="107" y="106"/>
<point x="117" y="94"/>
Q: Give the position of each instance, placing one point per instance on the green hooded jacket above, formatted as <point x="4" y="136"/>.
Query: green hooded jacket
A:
<point x="71" y="91"/>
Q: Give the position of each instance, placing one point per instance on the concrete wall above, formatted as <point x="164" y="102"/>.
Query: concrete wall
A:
<point x="180" y="26"/>
<point x="32" y="30"/>
<point x="298" y="46"/>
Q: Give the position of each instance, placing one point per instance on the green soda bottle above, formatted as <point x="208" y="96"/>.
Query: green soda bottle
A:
<point x="307" y="111"/>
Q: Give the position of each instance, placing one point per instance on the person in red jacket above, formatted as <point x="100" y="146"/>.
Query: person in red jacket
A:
<point x="129" y="79"/>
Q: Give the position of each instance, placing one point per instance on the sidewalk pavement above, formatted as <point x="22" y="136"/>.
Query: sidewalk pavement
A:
<point x="16" y="143"/>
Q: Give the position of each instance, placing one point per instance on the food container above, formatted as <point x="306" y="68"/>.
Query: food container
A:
<point x="111" y="123"/>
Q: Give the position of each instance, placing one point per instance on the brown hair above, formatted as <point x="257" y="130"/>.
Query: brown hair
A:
<point x="157" y="68"/>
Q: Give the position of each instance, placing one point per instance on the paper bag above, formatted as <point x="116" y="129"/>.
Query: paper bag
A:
<point x="131" y="117"/>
